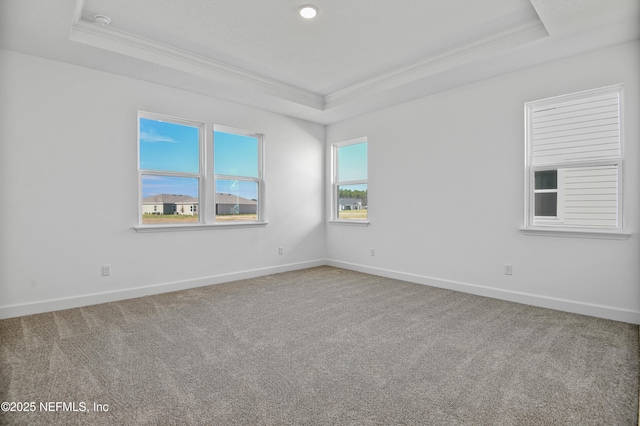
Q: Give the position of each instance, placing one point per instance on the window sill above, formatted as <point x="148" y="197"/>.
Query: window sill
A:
<point x="577" y="233"/>
<point x="350" y="222"/>
<point x="196" y="227"/>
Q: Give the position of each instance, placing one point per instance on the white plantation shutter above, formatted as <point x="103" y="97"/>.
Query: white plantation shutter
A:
<point x="579" y="130"/>
<point x="579" y="135"/>
<point x="591" y="197"/>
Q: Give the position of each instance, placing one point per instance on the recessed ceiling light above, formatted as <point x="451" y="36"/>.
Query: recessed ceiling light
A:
<point x="308" y="11"/>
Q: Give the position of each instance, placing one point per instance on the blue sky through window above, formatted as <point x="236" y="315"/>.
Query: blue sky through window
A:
<point x="169" y="146"/>
<point x="235" y="155"/>
<point x="245" y="189"/>
<point x="352" y="162"/>
<point x="172" y="147"/>
<point x="154" y="185"/>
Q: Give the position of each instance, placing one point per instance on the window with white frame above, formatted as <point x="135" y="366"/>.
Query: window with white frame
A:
<point x="186" y="178"/>
<point x="170" y="166"/>
<point x="237" y="168"/>
<point x="574" y="161"/>
<point x="350" y="187"/>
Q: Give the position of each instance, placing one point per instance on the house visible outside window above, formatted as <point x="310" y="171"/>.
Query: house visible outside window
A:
<point x="237" y="168"/>
<point x="574" y="162"/>
<point x="186" y="178"/>
<point x="350" y="187"/>
<point x="170" y="169"/>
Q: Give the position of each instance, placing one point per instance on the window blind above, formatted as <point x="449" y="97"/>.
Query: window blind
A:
<point x="580" y="136"/>
<point x="585" y="129"/>
<point x="591" y="197"/>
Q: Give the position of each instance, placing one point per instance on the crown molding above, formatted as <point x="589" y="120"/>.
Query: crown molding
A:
<point x="506" y="38"/>
<point x="92" y="34"/>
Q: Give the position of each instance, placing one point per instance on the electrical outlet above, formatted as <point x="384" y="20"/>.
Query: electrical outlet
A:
<point x="372" y="252"/>
<point x="106" y="270"/>
<point x="281" y="250"/>
<point x="508" y="269"/>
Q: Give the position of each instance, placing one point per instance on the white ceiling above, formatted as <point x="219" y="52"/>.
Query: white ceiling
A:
<point x="354" y="57"/>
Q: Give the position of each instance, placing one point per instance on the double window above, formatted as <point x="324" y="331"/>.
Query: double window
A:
<point x="574" y="161"/>
<point x="350" y="187"/>
<point x="195" y="174"/>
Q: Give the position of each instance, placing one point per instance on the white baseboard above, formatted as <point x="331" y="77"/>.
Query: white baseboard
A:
<point x="594" y="310"/>
<point x="590" y="309"/>
<point x="51" y="305"/>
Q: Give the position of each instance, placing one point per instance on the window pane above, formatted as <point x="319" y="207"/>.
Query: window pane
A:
<point x="352" y="162"/>
<point x="169" y="146"/>
<point x="547" y="179"/>
<point x="236" y="200"/>
<point x="169" y="199"/>
<point x="352" y="202"/>
<point x="235" y="155"/>
<point x="546" y="204"/>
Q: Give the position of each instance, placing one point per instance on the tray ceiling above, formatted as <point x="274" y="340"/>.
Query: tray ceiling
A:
<point x="355" y="56"/>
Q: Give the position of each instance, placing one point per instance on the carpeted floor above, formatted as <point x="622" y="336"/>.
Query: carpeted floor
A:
<point x="319" y="346"/>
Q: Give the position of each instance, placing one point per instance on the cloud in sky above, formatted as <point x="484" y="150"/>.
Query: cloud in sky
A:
<point x="153" y="137"/>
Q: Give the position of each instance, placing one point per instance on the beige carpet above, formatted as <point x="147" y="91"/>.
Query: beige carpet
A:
<point x="319" y="346"/>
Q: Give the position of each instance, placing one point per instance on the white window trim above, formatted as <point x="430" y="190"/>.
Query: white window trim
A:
<point x="559" y="191"/>
<point x="335" y="183"/>
<point x="259" y="180"/>
<point x="564" y="232"/>
<point x="529" y="227"/>
<point x="196" y="227"/>
<point x="206" y="186"/>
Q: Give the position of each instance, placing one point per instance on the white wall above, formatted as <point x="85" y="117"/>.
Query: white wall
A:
<point x="68" y="185"/>
<point x="446" y="196"/>
<point x="446" y="193"/>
